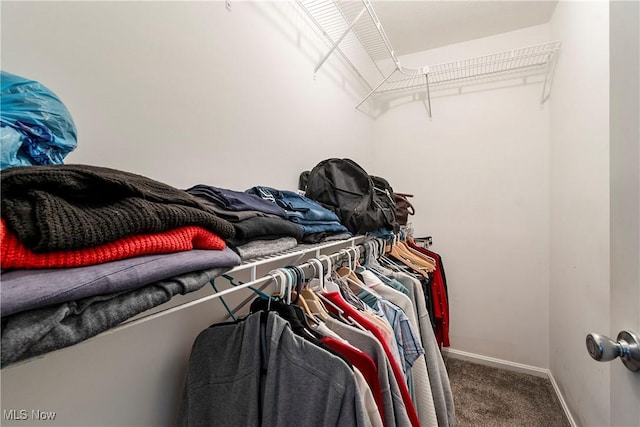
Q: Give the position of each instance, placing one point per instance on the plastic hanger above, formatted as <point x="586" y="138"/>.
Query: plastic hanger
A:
<point x="282" y="283"/>
<point x="356" y="255"/>
<point x="292" y="279"/>
<point x="340" y="313"/>
<point x="346" y="251"/>
<point x="328" y="285"/>
<point x="318" y="272"/>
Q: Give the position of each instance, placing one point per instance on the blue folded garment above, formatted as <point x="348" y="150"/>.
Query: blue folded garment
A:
<point x="295" y="205"/>
<point x="235" y="200"/>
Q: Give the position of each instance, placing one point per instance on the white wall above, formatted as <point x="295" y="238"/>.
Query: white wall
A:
<point x="479" y="170"/>
<point x="188" y="92"/>
<point x="579" y="233"/>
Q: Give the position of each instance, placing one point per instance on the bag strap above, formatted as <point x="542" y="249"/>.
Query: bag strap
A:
<point x="405" y="197"/>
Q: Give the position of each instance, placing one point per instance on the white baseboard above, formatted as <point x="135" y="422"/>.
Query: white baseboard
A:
<point x="496" y="363"/>
<point x="562" y="401"/>
<point x="515" y="367"/>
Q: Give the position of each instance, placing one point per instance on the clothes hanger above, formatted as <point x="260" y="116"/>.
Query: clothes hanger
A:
<point x="283" y="285"/>
<point x="350" y="272"/>
<point x="409" y="260"/>
<point x="404" y="247"/>
<point x="329" y="263"/>
<point x="370" y="254"/>
<point x="300" y="298"/>
<point x="319" y="272"/>
<point x="374" y="254"/>
<point x="291" y="313"/>
<point x="356" y="255"/>
<point x="430" y="258"/>
<point x="391" y="263"/>
<point x="418" y="257"/>
<point x="340" y="312"/>
<point x="346" y="252"/>
<point x="328" y="285"/>
<point x="367" y="253"/>
<point x="278" y="286"/>
<point x="314" y="304"/>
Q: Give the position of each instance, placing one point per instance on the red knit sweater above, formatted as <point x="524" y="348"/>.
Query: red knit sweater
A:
<point x="14" y="255"/>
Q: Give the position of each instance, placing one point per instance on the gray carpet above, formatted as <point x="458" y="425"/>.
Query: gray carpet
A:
<point x="491" y="397"/>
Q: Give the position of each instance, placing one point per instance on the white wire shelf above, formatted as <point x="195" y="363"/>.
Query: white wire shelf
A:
<point x="354" y="31"/>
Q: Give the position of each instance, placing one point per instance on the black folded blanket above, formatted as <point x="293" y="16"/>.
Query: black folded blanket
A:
<point x="65" y="207"/>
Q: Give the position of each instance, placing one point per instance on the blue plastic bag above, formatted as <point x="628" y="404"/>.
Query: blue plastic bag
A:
<point x="35" y="126"/>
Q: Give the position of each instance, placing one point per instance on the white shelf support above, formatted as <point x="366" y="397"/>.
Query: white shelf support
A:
<point x="337" y="43"/>
<point x="426" y="79"/>
<point x="376" y="88"/>
<point x="548" y="76"/>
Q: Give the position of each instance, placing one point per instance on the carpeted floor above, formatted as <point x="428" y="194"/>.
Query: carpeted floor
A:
<point x="491" y="397"/>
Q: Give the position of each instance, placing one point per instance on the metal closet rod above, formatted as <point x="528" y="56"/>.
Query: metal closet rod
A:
<point x="259" y="283"/>
<point x="308" y="268"/>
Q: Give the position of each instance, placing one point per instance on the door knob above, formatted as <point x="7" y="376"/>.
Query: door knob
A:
<point x="627" y="348"/>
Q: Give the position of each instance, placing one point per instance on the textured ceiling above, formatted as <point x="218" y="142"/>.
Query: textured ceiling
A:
<point x="413" y="26"/>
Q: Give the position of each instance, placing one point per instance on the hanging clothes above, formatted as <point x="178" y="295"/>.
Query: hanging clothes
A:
<point x="373" y="320"/>
<point x="400" y="312"/>
<point x="365" y="365"/>
<point x="440" y="296"/>
<point x="395" y="412"/>
<point x="413" y="284"/>
<point x="437" y="371"/>
<point x="337" y="299"/>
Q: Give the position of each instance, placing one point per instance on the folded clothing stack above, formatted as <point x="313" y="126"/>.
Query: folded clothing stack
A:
<point x="317" y="222"/>
<point x="75" y="236"/>
<point x="252" y="217"/>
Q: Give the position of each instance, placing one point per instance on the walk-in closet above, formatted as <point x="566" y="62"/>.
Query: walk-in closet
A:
<point x="193" y="261"/>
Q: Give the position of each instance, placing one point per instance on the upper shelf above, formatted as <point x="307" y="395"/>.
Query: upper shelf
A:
<point x="354" y="31"/>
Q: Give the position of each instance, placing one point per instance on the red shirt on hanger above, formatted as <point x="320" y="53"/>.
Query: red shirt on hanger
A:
<point x="439" y="295"/>
<point x="337" y="299"/>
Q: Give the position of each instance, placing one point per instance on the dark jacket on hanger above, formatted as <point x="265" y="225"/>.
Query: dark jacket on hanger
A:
<point x="259" y="373"/>
<point x="294" y="315"/>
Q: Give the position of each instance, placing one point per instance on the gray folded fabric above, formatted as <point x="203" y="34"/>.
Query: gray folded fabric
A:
<point x="39" y="331"/>
<point x="28" y="289"/>
<point x="258" y="248"/>
<point x="339" y="236"/>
